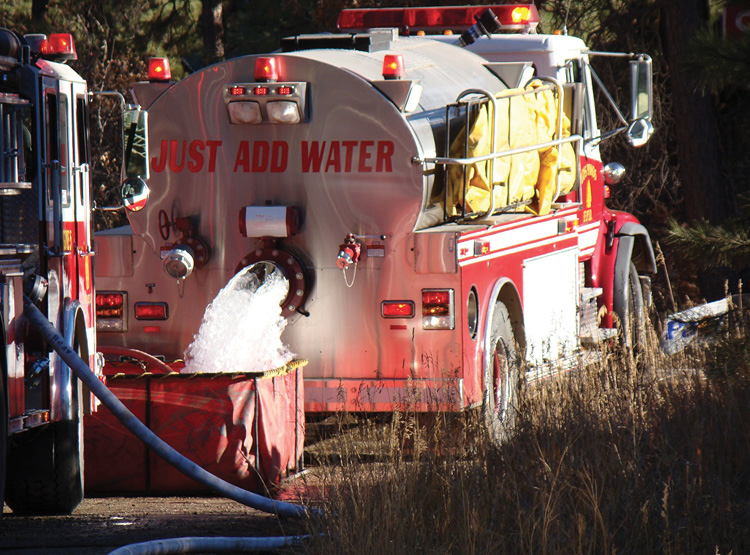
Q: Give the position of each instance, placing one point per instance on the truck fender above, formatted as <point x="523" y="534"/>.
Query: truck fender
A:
<point x="505" y="291"/>
<point x="74" y="328"/>
<point x="634" y="244"/>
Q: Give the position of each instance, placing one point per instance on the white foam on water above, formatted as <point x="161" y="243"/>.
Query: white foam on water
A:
<point x="241" y="328"/>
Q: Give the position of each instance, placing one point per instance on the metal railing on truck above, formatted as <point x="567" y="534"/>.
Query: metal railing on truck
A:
<point x="465" y="112"/>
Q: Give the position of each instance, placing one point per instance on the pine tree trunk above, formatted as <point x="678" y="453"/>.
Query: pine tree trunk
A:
<point x="212" y="29"/>
<point x="707" y="191"/>
<point x="39" y="10"/>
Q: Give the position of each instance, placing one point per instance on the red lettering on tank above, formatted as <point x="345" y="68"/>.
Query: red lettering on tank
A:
<point x="364" y="156"/>
<point x="195" y="164"/>
<point x="173" y="164"/>
<point x="193" y="155"/>
<point x="312" y="156"/>
<point x="260" y="156"/>
<point x="349" y="147"/>
<point x="334" y="157"/>
<point x="279" y="156"/>
<point x="158" y="164"/>
<point x="243" y="157"/>
<point x="385" y="153"/>
<point x="212" y="147"/>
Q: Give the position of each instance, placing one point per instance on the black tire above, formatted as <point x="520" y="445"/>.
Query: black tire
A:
<point x="3" y="432"/>
<point x="45" y="470"/>
<point x="633" y="319"/>
<point x="501" y="376"/>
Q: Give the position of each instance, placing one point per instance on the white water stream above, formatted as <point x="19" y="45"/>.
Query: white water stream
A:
<point x="241" y="328"/>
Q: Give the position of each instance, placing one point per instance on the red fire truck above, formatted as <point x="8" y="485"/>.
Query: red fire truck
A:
<point x="45" y="256"/>
<point x="437" y="216"/>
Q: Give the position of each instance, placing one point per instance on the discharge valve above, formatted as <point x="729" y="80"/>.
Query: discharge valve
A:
<point x="349" y="252"/>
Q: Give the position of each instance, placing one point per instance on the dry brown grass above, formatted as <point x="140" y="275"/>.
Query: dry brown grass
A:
<point x="647" y="458"/>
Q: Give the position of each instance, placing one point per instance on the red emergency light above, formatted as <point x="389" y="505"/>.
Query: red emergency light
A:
<point x="237" y="91"/>
<point x="438" y="18"/>
<point x="159" y="70"/>
<point x="393" y="66"/>
<point x="58" y="47"/>
<point x="266" y="69"/>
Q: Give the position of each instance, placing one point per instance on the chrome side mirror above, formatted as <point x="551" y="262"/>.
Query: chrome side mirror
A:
<point x="641" y="88"/>
<point x="134" y="193"/>
<point x="639" y="132"/>
<point x="135" y="142"/>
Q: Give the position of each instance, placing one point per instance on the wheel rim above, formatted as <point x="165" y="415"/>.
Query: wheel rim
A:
<point x="500" y="378"/>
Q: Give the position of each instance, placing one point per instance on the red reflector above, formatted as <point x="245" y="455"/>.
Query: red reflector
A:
<point x="159" y="70"/>
<point x="266" y="69"/>
<point x="397" y="309"/>
<point x="151" y="329"/>
<point x="109" y="300"/>
<point x="261" y="91"/>
<point x="437" y="296"/>
<point x="481" y="247"/>
<point x="393" y="66"/>
<point x="151" y="311"/>
<point x="284" y="89"/>
<point x="237" y="91"/>
<point x="60" y="44"/>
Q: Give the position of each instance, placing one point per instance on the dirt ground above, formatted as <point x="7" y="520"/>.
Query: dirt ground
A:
<point x="100" y="525"/>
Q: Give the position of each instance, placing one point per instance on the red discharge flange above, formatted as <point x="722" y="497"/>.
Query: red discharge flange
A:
<point x="289" y="267"/>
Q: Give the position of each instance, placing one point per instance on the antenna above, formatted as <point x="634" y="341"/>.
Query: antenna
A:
<point x="565" y="23"/>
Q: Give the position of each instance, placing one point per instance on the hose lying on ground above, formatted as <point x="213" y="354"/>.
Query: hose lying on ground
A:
<point x="161" y="448"/>
<point x="201" y="545"/>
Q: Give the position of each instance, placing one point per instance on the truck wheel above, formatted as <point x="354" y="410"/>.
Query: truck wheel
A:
<point x="501" y="375"/>
<point x="45" y="470"/>
<point x="632" y="321"/>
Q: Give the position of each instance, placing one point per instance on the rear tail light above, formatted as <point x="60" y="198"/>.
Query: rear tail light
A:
<point x="397" y="309"/>
<point x="151" y="311"/>
<point x="110" y="311"/>
<point x="159" y="70"/>
<point x="438" y="309"/>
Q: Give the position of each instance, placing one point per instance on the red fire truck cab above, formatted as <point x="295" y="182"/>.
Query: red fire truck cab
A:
<point x="45" y="259"/>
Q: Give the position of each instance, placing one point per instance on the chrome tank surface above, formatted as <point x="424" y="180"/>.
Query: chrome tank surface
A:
<point x="365" y="182"/>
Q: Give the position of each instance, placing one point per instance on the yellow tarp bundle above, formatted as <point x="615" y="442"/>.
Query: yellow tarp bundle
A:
<point x="523" y="120"/>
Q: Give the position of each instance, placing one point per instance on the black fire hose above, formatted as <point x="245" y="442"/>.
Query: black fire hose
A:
<point x="161" y="448"/>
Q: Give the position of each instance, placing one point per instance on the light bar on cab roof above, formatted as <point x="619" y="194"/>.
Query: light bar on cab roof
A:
<point x="512" y="17"/>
